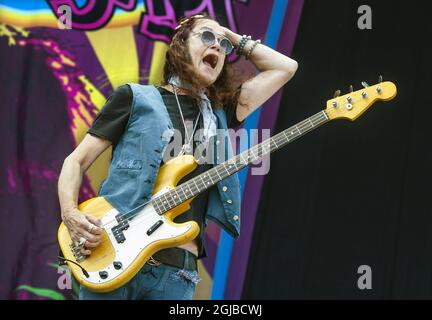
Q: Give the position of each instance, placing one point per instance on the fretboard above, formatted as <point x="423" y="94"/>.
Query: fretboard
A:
<point x="202" y="182"/>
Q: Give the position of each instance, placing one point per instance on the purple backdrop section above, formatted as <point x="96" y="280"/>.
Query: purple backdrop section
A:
<point x="259" y="12"/>
<point x="252" y="192"/>
<point x="32" y="155"/>
<point x="35" y="126"/>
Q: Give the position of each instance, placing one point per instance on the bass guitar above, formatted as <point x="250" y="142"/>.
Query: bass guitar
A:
<point x="129" y="241"/>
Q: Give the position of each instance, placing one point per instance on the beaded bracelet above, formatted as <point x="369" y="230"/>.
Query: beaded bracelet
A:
<point x="252" y="49"/>
<point x="242" y="44"/>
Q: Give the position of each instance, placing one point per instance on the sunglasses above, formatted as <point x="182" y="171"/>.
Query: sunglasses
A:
<point x="209" y="39"/>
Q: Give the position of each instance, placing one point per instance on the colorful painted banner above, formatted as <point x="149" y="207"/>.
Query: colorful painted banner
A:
<point x="60" y="60"/>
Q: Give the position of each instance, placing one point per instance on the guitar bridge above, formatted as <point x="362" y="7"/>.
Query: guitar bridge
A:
<point x="76" y="251"/>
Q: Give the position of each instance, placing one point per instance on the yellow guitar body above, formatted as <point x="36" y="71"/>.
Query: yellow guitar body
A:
<point x="104" y="256"/>
<point x="127" y="245"/>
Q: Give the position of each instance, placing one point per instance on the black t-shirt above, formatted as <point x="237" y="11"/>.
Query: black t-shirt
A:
<point x="114" y="116"/>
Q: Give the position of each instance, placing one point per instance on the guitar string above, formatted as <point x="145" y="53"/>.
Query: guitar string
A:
<point x="301" y="125"/>
<point x="277" y="136"/>
<point x="324" y="113"/>
<point x="233" y="162"/>
<point x="145" y="218"/>
<point x="172" y="202"/>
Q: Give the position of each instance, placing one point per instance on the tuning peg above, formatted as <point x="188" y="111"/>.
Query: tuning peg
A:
<point x="380" y="79"/>
<point x="337" y="94"/>
<point x="364" y="84"/>
<point x="351" y="89"/>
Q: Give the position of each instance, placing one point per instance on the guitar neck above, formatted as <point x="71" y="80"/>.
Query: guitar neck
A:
<point x="202" y="182"/>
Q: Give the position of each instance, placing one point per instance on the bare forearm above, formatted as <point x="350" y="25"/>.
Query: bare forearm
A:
<point x="69" y="184"/>
<point x="263" y="57"/>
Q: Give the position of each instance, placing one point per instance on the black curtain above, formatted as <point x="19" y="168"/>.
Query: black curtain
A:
<point x="351" y="193"/>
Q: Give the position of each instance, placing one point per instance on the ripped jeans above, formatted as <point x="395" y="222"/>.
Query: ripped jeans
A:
<point x="152" y="282"/>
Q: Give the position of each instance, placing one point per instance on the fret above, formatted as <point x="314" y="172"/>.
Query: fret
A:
<point x="269" y="149"/>
<point x="240" y="159"/>
<point x="203" y="182"/>
<point x="236" y="159"/>
<point x="308" y="126"/>
<point x="226" y="169"/>
<point x="255" y="157"/>
<point x="220" y="178"/>
<point x="214" y="176"/>
<point x="172" y="198"/>
<point x="285" y="134"/>
<point x="167" y="201"/>
<point x="222" y="174"/>
<point x="159" y="210"/>
<point x="183" y="193"/>
<point x="198" y="189"/>
<point x="256" y="152"/>
<point x="280" y="140"/>
<point x="230" y="167"/>
<point x="325" y="115"/>
<point x="163" y="202"/>
<point x="211" y="180"/>
<point x="156" y="206"/>
<point x="320" y="117"/>
<point x="246" y="160"/>
<point x="176" y="197"/>
<point x="188" y="189"/>
<point x="192" y="186"/>
<point x="236" y="165"/>
<point x="291" y="132"/>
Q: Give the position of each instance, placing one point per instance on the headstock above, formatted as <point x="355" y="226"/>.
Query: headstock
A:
<point x="354" y="104"/>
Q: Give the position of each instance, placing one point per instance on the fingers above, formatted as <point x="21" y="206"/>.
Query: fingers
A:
<point x="90" y="244"/>
<point x="85" y="252"/>
<point x="89" y="236"/>
<point x="94" y="225"/>
<point x="85" y="230"/>
<point x="93" y="220"/>
<point x="85" y="239"/>
<point x="87" y="245"/>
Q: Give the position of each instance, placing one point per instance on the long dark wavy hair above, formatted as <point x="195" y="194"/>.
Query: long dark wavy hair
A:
<point x="179" y="63"/>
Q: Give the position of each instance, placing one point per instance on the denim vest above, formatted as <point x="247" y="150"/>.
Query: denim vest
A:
<point x="137" y="157"/>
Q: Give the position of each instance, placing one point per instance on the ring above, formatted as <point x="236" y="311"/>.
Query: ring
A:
<point x="82" y="241"/>
<point x="90" y="228"/>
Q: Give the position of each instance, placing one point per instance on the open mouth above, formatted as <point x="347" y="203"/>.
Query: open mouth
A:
<point x="211" y="60"/>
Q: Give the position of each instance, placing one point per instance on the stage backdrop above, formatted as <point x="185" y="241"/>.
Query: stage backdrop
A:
<point x="351" y="198"/>
<point x="54" y="81"/>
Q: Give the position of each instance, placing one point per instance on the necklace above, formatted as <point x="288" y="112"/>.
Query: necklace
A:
<point x="187" y="146"/>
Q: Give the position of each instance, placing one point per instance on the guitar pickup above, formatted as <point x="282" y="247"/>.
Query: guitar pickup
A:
<point x="117" y="230"/>
<point x="154" y="227"/>
<point x="118" y="234"/>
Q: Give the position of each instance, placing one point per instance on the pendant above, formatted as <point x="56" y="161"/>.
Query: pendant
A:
<point x="186" y="149"/>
